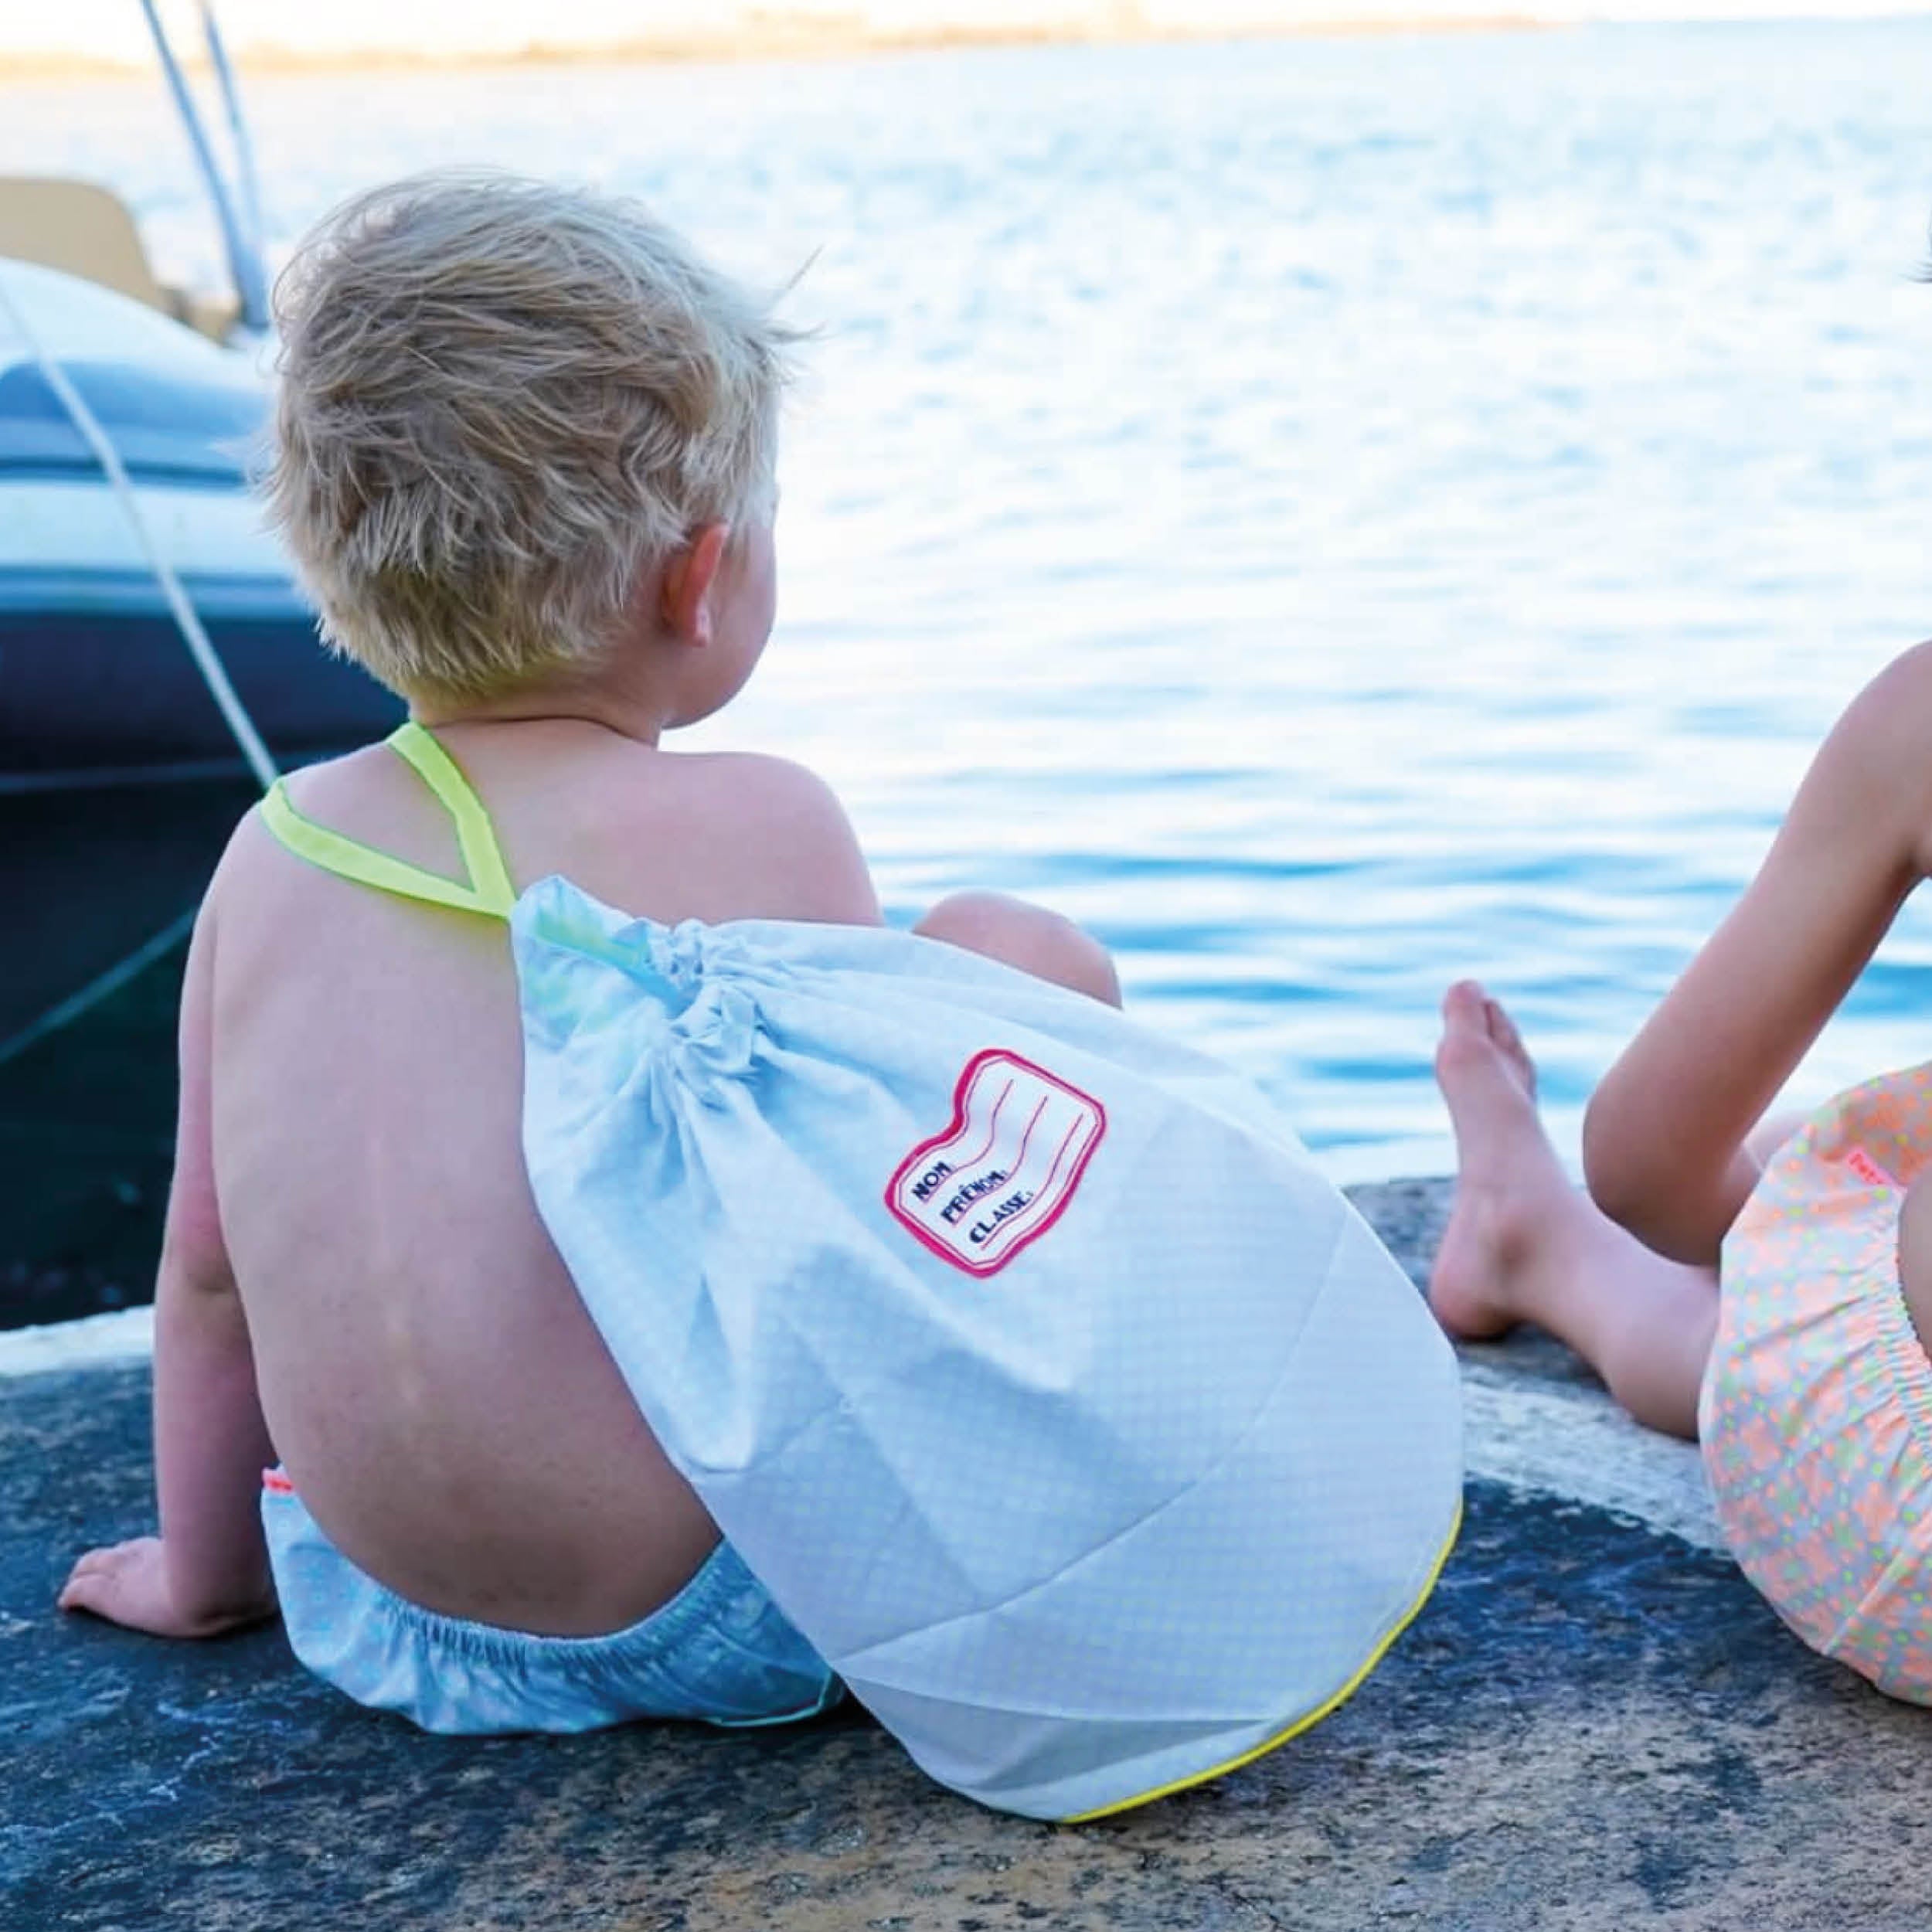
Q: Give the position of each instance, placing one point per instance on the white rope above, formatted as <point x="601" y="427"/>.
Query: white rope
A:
<point x="200" y="649"/>
<point x="91" y="995"/>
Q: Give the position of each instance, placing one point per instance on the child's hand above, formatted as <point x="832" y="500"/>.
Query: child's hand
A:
<point x="127" y="1584"/>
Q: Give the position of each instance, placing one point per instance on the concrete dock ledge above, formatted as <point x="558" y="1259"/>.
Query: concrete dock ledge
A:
<point x="1596" y="1723"/>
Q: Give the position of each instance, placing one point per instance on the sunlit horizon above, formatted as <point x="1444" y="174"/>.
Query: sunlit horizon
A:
<point x="114" y="31"/>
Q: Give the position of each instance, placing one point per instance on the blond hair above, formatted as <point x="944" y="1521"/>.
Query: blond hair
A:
<point x="502" y="402"/>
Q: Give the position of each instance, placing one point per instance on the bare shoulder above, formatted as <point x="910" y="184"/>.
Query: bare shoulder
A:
<point x="709" y="835"/>
<point x="1897" y="704"/>
<point x="369" y="796"/>
<point x="1875" y="770"/>
<point x="329" y="790"/>
<point x="801" y="853"/>
<point x="760" y="779"/>
<point x="773" y="796"/>
<point x="1913" y="668"/>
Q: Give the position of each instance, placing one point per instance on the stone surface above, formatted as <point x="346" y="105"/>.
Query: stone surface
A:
<point x="1591" y="1725"/>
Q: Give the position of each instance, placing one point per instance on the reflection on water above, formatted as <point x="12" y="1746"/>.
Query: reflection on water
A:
<point x="1334" y="515"/>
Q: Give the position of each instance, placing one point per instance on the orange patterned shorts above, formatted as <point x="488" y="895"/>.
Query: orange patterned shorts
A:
<point x="1816" y="1414"/>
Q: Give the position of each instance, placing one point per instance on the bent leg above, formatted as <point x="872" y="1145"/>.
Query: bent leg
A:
<point x="1525" y="1245"/>
<point x="1028" y="936"/>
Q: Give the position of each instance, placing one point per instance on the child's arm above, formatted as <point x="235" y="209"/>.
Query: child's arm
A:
<point x="1663" y="1140"/>
<point x="208" y="1570"/>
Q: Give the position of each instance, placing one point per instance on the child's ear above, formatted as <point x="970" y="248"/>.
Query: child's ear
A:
<point x="683" y="601"/>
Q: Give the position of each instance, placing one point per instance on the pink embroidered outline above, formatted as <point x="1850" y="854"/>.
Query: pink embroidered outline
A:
<point x="927" y="1150"/>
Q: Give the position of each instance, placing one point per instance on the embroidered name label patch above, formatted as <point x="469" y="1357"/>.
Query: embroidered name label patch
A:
<point x="1867" y="1169"/>
<point x="1003" y="1172"/>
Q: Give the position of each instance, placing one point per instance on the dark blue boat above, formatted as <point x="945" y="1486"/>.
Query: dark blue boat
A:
<point x="98" y="682"/>
<point x="121" y="775"/>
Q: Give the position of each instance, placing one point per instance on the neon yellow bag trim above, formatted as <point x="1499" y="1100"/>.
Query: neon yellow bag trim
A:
<point x="1302" y="1724"/>
<point x="489" y="890"/>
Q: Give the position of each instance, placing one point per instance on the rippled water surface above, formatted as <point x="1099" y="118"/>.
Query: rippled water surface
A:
<point x="1334" y="515"/>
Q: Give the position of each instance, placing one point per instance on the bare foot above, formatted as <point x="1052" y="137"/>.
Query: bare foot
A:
<point x="1509" y="1183"/>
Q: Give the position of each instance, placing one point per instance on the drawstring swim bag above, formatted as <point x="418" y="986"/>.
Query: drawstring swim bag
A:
<point x="1082" y="1427"/>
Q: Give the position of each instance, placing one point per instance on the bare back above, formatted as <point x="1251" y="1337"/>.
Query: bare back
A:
<point x="439" y="1396"/>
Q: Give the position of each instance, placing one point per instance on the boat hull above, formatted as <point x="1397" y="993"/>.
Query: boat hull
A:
<point x="121" y="779"/>
<point x="97" y="685"/>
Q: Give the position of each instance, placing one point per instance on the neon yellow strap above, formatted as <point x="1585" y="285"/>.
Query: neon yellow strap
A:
<point x="489" y="891"/>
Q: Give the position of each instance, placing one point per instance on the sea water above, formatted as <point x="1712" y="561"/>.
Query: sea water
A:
<point x="1333" y="514"/>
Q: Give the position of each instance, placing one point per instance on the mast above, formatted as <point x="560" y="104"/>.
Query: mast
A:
<point x="243" y="244"/>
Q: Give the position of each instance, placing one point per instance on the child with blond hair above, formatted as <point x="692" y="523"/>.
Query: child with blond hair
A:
<point x="707" y="1299"/>
<point x="525" y="458"/>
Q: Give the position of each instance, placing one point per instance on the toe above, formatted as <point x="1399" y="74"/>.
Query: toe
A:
<point x="1502" y="1029"/>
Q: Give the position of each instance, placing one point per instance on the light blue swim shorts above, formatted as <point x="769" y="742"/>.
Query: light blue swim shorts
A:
<point x="720" y="1651"/>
